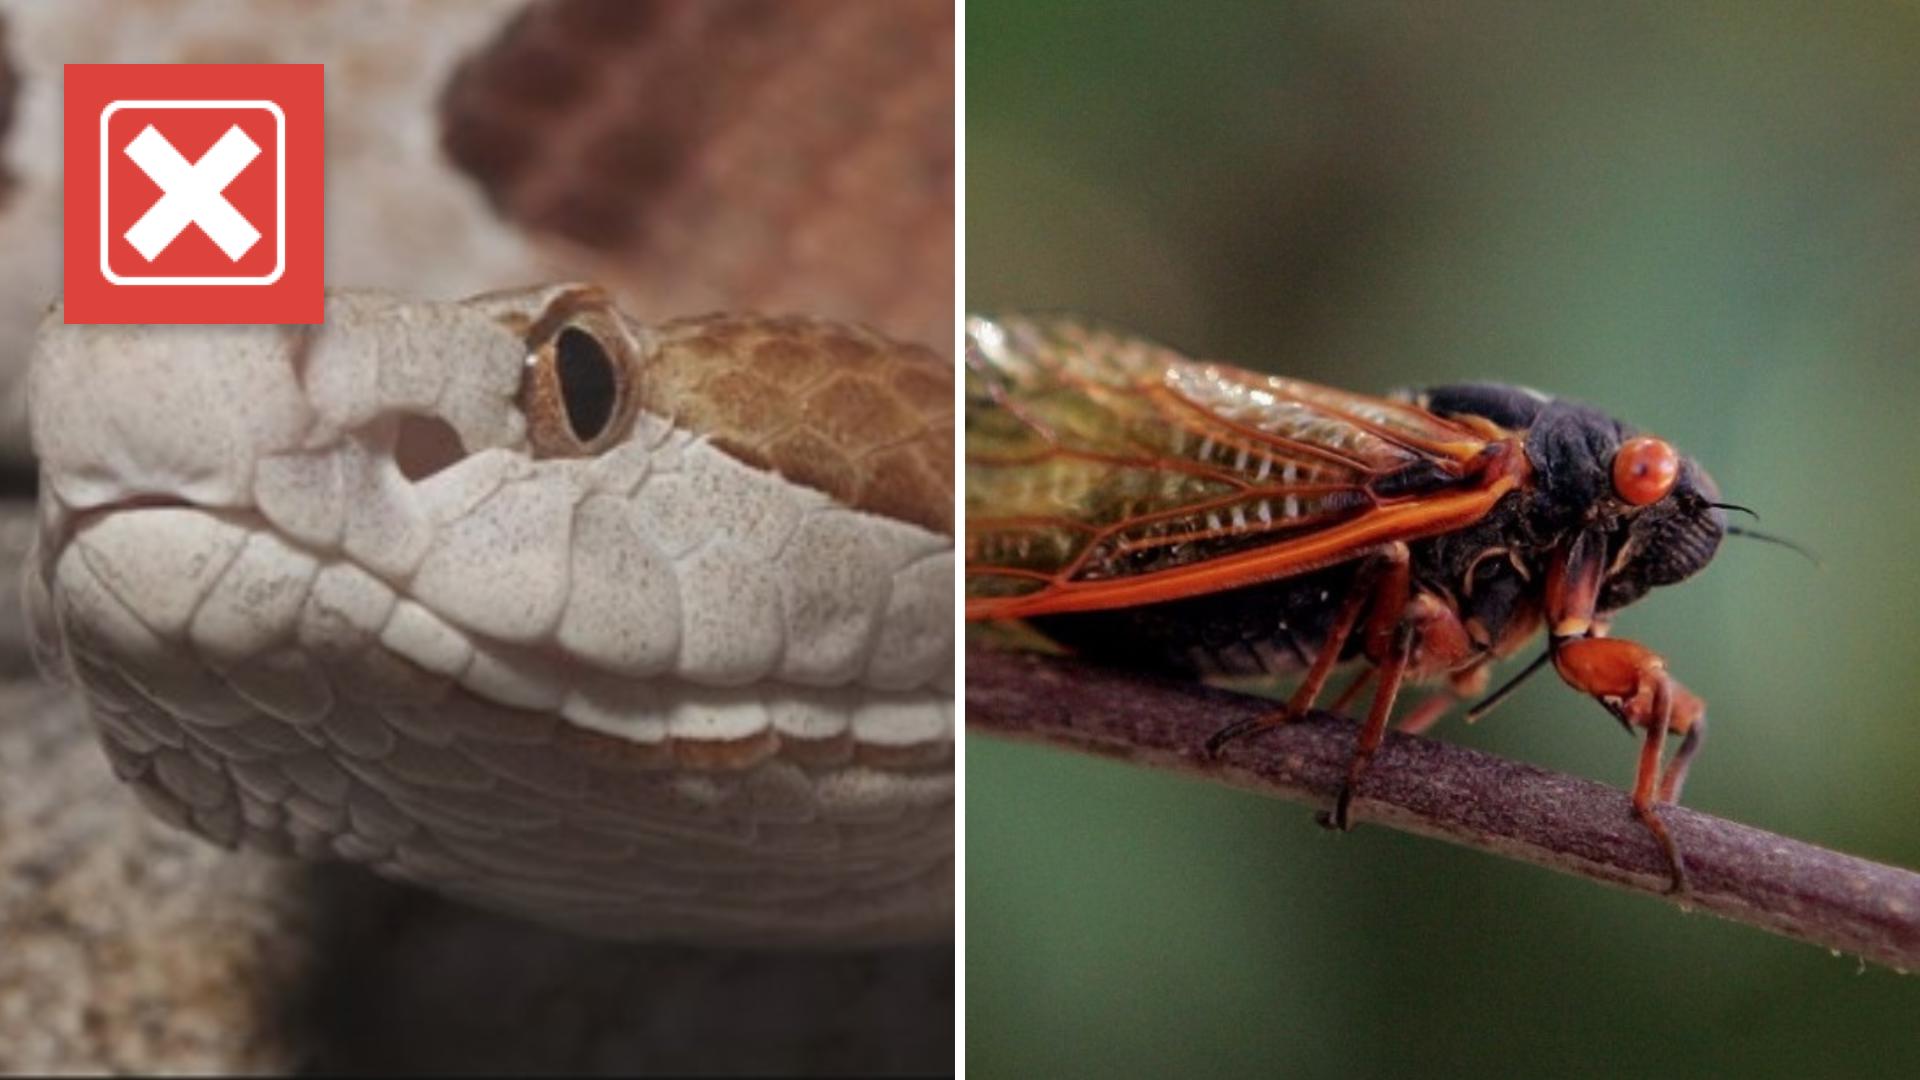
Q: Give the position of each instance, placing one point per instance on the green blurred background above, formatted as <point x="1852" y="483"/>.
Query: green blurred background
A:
<point x="1705" y="218"/>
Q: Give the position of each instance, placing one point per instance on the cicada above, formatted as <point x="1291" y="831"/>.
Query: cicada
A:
<point x="1139" y="507"/>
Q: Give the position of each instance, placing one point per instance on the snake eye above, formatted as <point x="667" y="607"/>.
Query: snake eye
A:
<point x="588" y="386"/>
<point x="1644" y="470"/>
<point x="575" y="393"/>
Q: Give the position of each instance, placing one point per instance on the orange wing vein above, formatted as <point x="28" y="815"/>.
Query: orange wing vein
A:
<point x="1105" y="471"/>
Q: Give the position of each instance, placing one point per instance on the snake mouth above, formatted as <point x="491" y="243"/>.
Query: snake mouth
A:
<point x="134" y="502"/>
<point x="73" y="522"/>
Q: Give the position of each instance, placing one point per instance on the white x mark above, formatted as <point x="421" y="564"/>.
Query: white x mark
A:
<point x="191" y="193"/>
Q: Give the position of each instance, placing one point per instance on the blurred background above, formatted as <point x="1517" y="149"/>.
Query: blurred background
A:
<point x="1704" y="218"/>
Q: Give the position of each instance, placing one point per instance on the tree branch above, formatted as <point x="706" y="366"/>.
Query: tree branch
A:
<point x="1454" y="793"/>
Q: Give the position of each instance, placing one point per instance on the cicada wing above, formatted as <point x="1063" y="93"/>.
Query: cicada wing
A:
<point x="1096" y="459"/>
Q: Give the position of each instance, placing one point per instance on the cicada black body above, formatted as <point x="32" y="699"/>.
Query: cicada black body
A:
<point x="1140" y="507"/>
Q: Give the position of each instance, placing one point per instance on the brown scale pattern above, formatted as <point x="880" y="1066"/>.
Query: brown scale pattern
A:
<point x="839" y="408"/>
<point x="729" y="154"/>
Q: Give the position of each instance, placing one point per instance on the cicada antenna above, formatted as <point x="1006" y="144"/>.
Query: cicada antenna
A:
<point x="1780" y="541"/>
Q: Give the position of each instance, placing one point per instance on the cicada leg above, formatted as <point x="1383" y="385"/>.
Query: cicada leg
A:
<point x="1632" y="682"/>
<point x="1690" y="718"/>
<point x="1426" y="636"/>
<point x="1428" y="712"/>
<point x="1352" y="690"/>
<point x="1381" y="580"/>
<point x="1461" y="686"/>
<point x="1628" y="678"/>
<point x="1392" y="669"/>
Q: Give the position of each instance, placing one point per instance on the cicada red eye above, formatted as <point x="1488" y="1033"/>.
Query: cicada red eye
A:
<point x="1644" y="470"/>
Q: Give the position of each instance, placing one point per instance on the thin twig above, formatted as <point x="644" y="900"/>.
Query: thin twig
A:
<point x="1430" y="787"/>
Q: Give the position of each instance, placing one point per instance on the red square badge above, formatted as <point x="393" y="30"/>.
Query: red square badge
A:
<point x="193" y="193"/>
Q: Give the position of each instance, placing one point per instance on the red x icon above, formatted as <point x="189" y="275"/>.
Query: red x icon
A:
<point x="193" y="193"/>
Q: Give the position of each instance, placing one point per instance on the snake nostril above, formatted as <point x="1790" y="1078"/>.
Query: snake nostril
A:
<point x="424" y="445"/>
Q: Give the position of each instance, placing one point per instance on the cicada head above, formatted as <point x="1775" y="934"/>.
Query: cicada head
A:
<point x="1656" y="506"/>
<point x="1669" y="540"/>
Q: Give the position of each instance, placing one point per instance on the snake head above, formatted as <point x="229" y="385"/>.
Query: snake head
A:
<point x="628" y="589"/>
<point x="400" y="438"/>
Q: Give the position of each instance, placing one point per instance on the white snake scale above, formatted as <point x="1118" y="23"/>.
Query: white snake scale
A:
<point x="695" y="684"/>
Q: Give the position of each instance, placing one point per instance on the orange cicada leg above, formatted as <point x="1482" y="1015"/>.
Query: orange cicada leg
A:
<point x="1428" y="712"/>
<point x="1426" y="635"/>
<point x="1382" y="578"/>
<point x="1393" y="669"/>
<point x="1461" y="686"/>
<point x="1690" y="721"/>
<point x="1628" y="678"/>
<point x="1632" y="681"/>
<point x="1399" y="627"/>
<point x="1352" y="690"/>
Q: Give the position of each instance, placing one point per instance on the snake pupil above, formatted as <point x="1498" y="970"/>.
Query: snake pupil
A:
<point x="588" y="384"/>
